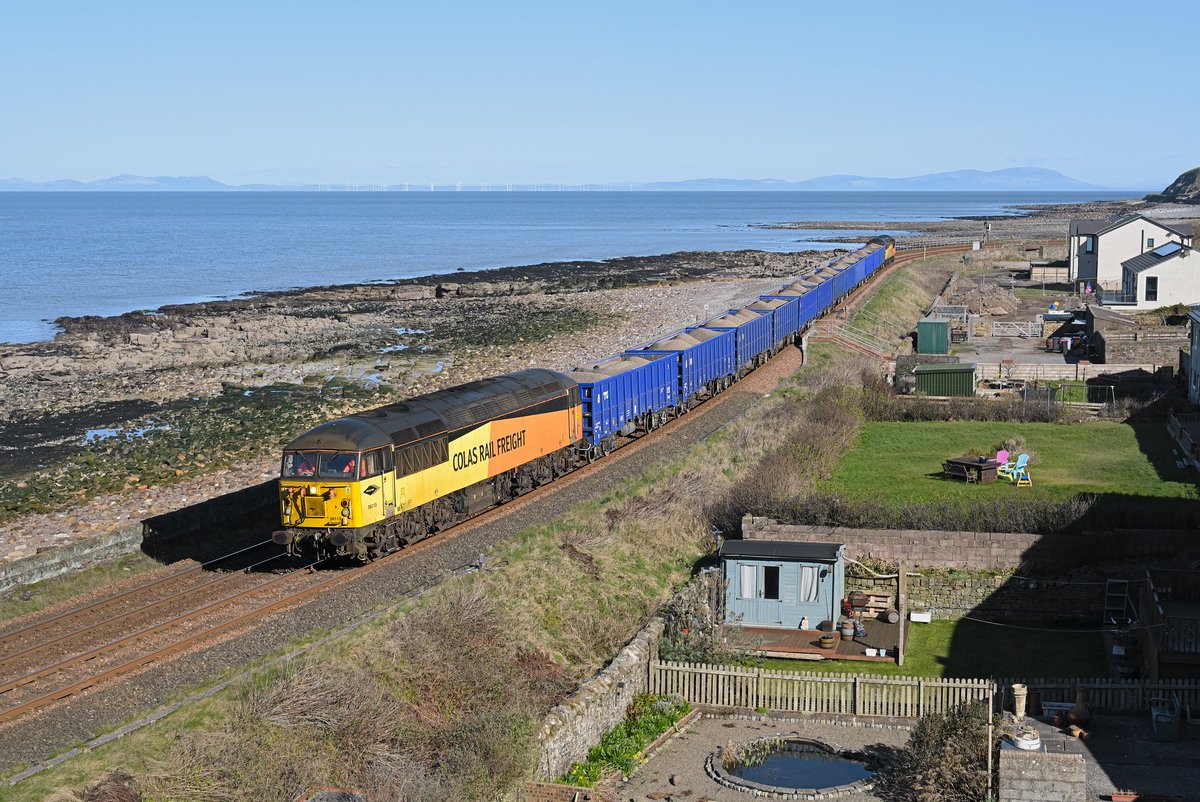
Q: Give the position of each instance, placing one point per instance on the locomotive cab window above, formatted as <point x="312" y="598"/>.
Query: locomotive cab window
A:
<point x="372" y="464"/>
<point x="300" y="464"/>
<point x="339" y="465"/>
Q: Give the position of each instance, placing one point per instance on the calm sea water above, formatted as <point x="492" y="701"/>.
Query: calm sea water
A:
<point x="107" y="253"/>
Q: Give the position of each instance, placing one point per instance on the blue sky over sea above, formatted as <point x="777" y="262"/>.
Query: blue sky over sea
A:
<point x="482" y="93"/>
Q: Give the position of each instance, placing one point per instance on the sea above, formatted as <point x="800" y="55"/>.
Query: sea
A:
<point x="106" y="253"/>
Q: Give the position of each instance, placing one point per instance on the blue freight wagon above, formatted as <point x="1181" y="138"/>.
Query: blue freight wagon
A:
<point x="706" y="359"/>
<point x="622" y="394"/>
<point x="805" y="294"/>
<point x="785" y="314"/>
<point x="753" y="336"/>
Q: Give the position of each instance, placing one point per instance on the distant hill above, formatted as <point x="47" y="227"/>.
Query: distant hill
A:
<point x="1184" y="189"/>
<point x="119" y="183"/>
<point x="1011" y="179"/>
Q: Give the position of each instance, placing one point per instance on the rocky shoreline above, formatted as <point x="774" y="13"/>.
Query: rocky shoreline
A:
<point x="169" y="392"/>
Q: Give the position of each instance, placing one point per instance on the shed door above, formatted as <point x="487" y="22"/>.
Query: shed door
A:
<point x="759" y="594"/>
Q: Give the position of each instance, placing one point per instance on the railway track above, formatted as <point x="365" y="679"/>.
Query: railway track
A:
<point x="92" y="661"/>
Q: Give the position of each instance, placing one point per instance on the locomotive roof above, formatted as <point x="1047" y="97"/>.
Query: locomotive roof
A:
<point x="436" y="413"/>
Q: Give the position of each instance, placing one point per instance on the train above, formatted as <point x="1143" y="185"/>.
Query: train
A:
<point x="370" y="483"/>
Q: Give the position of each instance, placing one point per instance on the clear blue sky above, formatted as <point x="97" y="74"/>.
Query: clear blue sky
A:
<point x="596" y="92"/>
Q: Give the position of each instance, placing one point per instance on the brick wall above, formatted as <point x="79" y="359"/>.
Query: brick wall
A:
<point x="986" y="550"/>
<point x="1041" y="777"/>
<point x="576" y="725"/>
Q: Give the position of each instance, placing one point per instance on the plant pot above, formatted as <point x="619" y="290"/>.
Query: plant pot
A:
<point x="828" y="641"/>
<point x="847" y="630"/>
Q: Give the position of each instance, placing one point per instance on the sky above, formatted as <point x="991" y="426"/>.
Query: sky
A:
<point x="561" y="92"/>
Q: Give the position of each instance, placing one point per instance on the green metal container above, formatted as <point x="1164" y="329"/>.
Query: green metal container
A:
<point x="957" y="379"/>
<point x="933" y="336"/>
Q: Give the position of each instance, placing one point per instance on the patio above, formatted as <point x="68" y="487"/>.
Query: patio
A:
<point x="803" y="644"/>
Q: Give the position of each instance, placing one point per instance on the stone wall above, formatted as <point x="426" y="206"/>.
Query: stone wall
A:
<point x="1154" y="346"/>
<point x="997" y="597"/>
<point x="576" y="725"/>
<point x="53" y="562"/>
<point x="1042" y="777"/>
<point x="986" y="550"/>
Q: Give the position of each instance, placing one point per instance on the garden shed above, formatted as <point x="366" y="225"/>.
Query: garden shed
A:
<point x="946" y="379"/>
<point x="772" y="583"/>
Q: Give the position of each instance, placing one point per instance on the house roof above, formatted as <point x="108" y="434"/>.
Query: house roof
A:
<point x="1085" y="228"/>
<point x="782" y="550"/>
<point x="1156" y="257"/>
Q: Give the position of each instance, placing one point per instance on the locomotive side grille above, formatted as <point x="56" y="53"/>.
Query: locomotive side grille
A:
<point x="314" y="507"/>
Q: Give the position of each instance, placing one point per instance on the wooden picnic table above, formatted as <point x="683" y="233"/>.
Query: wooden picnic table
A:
<point x="973" y="467"/>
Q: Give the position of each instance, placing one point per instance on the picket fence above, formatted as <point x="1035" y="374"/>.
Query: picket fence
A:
<point x="899" y="697"/>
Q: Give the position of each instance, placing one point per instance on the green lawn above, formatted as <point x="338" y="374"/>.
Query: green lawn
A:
<point x="895" y="462"/>
<point x="974" y="650"/>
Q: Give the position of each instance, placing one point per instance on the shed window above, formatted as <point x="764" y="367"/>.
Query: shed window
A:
<point x="758" y="582"/>
<point x="1151" y="288"/>
<point x="770" y="582"/>
<point x="808" y="583"/>
<point x="1090" y="245"/>
<point x="1149" y="242"/>
<point x="748" y="586"/>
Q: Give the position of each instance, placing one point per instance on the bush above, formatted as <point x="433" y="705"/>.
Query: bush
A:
<point x="945" y="760"/>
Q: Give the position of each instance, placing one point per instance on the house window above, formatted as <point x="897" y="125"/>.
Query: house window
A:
<point x="1151" y="288"/>
<point x="1149" y="242"/>
<point x="1090" y="245"/>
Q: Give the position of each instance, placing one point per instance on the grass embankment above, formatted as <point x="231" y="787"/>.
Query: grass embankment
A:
<point x="442" y="701"/>
<point x="971" y="650"/>
<point x="902" y="462"/>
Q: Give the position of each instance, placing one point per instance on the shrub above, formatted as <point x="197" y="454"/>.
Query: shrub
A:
<point x="945" y="760"/>
<point x="647" y="717"/>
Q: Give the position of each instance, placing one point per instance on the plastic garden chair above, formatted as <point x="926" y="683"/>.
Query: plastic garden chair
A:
<point x="1020" y="472"/>
<point x="1002" y="458"/>
<point x="1010" y="469"/>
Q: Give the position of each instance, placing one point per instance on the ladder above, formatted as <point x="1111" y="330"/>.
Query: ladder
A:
<point x="1117" y="608"/>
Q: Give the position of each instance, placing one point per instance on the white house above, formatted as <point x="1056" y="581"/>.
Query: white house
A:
<point x="1165" y="276"/>
<point x="1096" y="249"/>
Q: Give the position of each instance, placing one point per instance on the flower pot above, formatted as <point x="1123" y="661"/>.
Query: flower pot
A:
<point x="828" y="641"/>
<point x="847" y="630"/>
<point x="1019" y="692"/>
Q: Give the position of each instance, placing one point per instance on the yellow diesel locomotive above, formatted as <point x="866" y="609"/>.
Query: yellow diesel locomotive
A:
<point x="370" y="483"/>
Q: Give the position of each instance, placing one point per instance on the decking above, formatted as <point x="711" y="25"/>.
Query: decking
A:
<point x="803" y="644"/>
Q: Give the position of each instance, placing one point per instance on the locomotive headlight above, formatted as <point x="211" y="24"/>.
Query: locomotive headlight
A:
<point x="345" y="508"/>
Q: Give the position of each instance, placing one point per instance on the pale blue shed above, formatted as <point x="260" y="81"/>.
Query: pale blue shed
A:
<point x="775" y="583"/>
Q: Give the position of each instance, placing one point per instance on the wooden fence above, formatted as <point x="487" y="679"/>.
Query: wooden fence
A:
<point x="794" y="692"/>
<point x="900" y="697"/>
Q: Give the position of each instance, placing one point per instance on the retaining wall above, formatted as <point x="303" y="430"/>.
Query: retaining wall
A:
<point x="163" y="537"/>
<point x="998" y="597"/>
<point x="986" y="550"/>
<point x="578" y="723"/>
